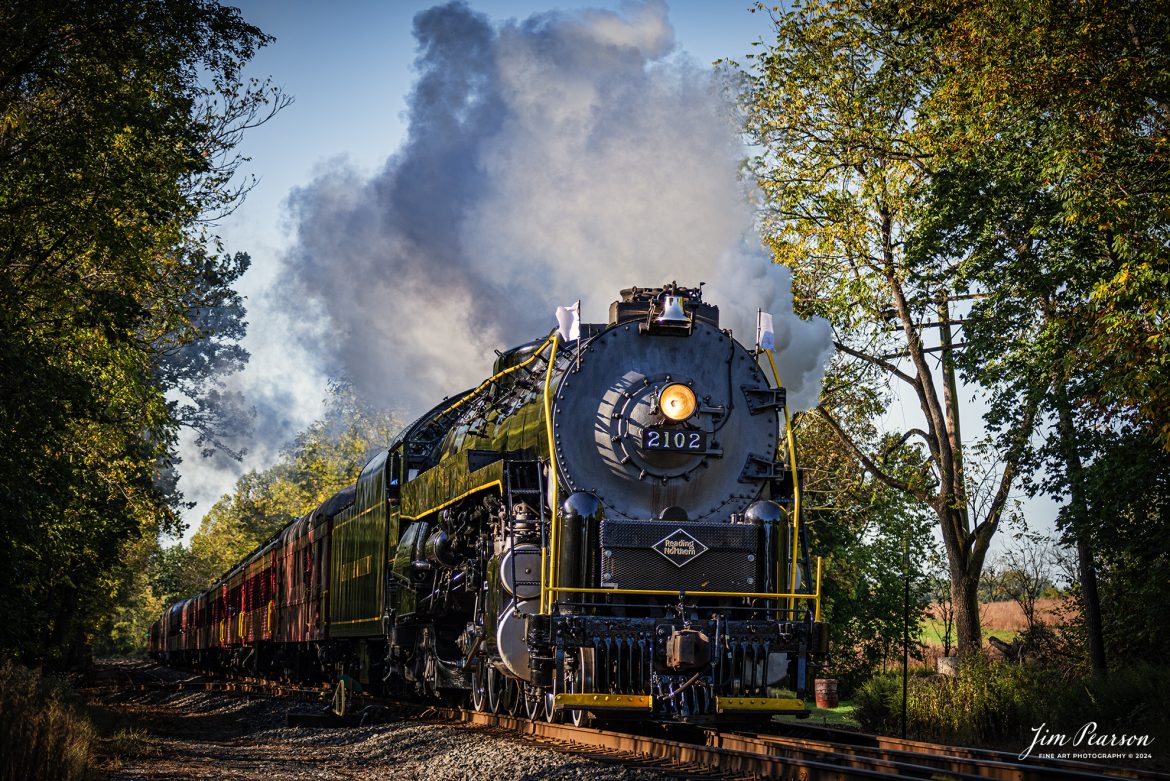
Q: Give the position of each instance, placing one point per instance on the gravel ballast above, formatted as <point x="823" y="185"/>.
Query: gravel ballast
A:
<point x="163" y="734"/>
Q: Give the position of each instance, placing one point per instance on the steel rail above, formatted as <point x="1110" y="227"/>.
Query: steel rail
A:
<point x="678" y="752"/>
<point x="954" y="762"/>
<point x="731" y="752"/>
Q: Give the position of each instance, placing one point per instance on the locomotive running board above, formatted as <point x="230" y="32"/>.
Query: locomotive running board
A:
<point x="771" y="704"/>
<point x="599" y="702"/>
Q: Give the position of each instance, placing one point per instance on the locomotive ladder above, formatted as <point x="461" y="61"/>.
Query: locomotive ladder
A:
<point x="523" y="481"/>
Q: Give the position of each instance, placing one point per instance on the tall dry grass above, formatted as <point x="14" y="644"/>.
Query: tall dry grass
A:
<point x="44" y="735"/>
<point x="993" y="703"/>
<point x="983" y="704"/>
<point x="1009" y="616"/>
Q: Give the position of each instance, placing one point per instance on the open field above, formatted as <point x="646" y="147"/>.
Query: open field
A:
<point x="1003" y="620"/>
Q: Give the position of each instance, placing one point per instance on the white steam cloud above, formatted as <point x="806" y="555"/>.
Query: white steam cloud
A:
<point x="565" y="156"/>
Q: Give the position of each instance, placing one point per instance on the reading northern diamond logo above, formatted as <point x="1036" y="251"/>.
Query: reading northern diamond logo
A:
<point x="680" y="548"/>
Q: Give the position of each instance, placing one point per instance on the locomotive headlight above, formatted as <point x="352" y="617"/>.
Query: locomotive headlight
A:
<point x="677" y="401"/>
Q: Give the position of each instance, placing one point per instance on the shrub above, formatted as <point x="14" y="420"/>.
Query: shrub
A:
<point x="1135" y="698"/>
<point x="985" y="703"/>
<point x="43" y="732"/>
<point x="878" y="704"/>
<point x="997" y="703"/>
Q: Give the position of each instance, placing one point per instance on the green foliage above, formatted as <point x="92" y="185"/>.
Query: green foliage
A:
<point x="122" y="626"/>
<point x="841" y="165"/>
<point x="834" y="104"/>
<point x="1015" y="151"/>
<point x="1129" y="530"/>
<point x="43" y="731"/>
<point x="1000" y="704"/>
<point x="1052" y="127"/>
<point x="984" y="704"/>
<point x="321" y="460"/>
<point x="117" y="124"/>
<point x="879" y="704"/>
<point x="861" y="527"/>
<point x="1134" y="699"/>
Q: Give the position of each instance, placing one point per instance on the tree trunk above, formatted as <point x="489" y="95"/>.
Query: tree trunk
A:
<point x="1091" y="602"/>
<point x="965" y="556"/>
<point x="1092" y="605"/>
<point x="964" y="594"/>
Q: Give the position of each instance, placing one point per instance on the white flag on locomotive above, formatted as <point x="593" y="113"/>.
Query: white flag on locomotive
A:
<point x="569" y="320"/>
<point x="765" y="335"/>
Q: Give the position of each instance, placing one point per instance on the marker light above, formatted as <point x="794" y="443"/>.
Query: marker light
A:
<point x="677" y="402"/>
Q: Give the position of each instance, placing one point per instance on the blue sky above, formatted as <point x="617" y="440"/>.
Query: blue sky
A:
<point x="349" y="68"/>
<point x="348" y="65"/>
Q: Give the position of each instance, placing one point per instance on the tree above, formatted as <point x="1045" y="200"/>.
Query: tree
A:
<point x="1051" y="122"/>
<point x="118" y="123"/>
<point x="1061" y="113"/>
<point x="845" y="168"/>
<point x="939" y="585"/>
<point x="1028" y="573"/>
<point x="1128" y="528"/>
<point x="864" y="529"/>
<point x="321" y="460"/>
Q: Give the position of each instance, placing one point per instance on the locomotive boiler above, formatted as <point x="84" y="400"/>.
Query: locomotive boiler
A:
<point x="607" y="526"/>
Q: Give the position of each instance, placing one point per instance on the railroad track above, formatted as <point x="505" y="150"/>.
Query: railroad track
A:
<point x="742" y="754"/>
<point x="691" y="751"/>
<point x="916" y="759"/>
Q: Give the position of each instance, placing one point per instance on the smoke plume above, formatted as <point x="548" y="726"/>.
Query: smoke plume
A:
<point x="565" y="156"/>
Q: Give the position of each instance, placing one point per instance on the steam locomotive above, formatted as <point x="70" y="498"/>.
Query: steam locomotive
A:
<point x="601" y="528"/>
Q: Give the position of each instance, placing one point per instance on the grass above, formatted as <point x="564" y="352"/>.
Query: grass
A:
<point x="126" y="744"/>
<point x="932" y="633"/>
<point x="130" y="742"/>
<point x="1003" y="619"/>
<point x="998" y="704"/>
<point x="842" y="716"/>
<point x="44" y="733"/>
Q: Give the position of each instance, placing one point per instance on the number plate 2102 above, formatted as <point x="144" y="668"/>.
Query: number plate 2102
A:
<point x="655" y="438"/>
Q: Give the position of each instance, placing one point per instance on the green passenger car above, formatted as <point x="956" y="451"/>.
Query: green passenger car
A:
<point x="361" y="534"/>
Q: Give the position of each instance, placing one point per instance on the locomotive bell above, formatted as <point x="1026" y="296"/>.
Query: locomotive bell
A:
<point x="673" y="312"/>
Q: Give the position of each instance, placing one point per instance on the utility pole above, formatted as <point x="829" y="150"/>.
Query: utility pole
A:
<point x="950" y="390"/>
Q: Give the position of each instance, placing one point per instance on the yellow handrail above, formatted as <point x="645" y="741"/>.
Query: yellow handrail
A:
<point x="795" y="477"/>
<point x="498" y="375"/>
<point x="817" y="615"/>
<point x="662" y="592"/>
<point x="548" y="555"/>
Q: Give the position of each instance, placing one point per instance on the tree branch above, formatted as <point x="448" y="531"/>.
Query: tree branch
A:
<point x="876" y="361"/>
<point x="980" y="538"/>
<point x="868" y="463"/>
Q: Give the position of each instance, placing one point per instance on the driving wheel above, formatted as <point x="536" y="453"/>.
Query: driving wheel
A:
<point x="479" y="698"/>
